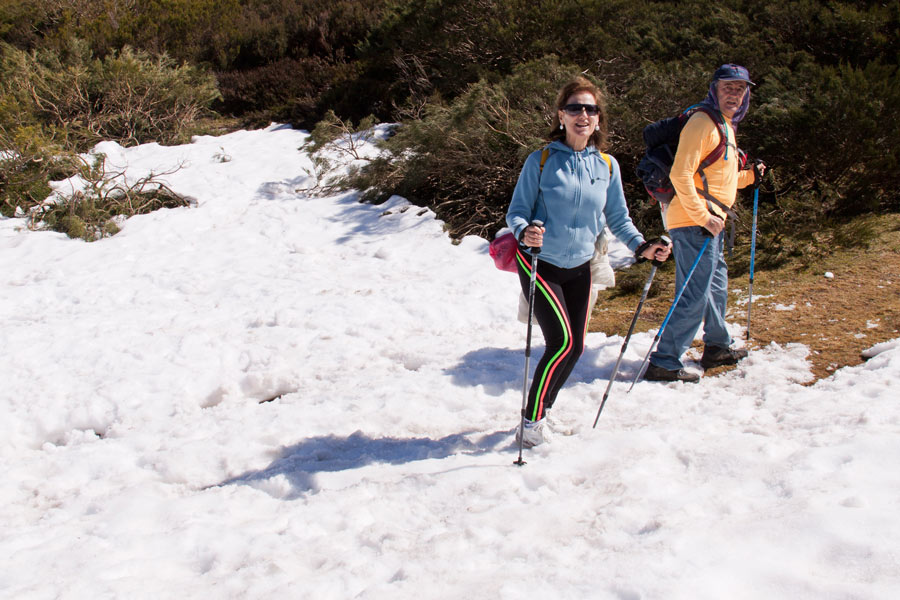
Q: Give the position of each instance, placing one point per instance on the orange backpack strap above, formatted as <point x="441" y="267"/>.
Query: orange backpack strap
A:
<point x="608" y="159"/>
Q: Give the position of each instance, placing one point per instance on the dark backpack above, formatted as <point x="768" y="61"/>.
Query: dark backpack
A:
<point x="661" y="141"/>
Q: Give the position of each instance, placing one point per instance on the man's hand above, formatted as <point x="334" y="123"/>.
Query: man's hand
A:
<point x="759" y="171"/>
<point x="714" y="224"/>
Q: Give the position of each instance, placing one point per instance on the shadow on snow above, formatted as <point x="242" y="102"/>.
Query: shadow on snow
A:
<point x="500" y="369"/>
<point x="300" y="463"/>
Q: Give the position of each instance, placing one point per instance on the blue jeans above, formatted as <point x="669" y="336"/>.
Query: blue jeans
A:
<point x="703" y="301"/>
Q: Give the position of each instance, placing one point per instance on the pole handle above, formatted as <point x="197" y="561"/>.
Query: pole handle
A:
<point x="536" y="249"/>
<point x="757" y="175"/>
<point x="665" y="240"/>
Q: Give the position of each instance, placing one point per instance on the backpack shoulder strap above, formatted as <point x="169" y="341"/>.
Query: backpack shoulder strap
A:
<point x="544" y="154"/>
<point x="608" y="160"/>
<point x="718" y="151"/>
<point x="719" y="121"/>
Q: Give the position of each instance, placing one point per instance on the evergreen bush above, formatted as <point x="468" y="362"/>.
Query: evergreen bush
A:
<point x="822" y="112"/>
<point x="29" y="159"/>
<point x="127" y="96"/>
<point x="55" y="105"/>
<point x="287" y="90"/>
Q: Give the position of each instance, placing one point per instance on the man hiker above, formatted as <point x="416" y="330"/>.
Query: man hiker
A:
<point x="692" y="217"/>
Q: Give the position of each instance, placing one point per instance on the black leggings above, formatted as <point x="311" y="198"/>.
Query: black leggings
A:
<point x="561" y="304"/>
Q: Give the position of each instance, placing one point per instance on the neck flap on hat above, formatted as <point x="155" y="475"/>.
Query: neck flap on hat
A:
<point x="712" y="100"/>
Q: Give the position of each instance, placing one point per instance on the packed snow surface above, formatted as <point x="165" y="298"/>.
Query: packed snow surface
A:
<point x="278" y="395"/>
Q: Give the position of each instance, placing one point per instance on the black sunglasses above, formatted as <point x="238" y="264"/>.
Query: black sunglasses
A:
<point x="575" y="109"/>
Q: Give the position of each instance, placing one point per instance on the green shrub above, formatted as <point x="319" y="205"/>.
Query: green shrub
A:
<point x="333" y="129"/>
<point x="56" y="104"/>
<point x="631" y="281"/>
<point x="333" y="135"/>
<point x="29" y="159"/>
<point x="822" y="114"/>
<point x="128" y="96"/>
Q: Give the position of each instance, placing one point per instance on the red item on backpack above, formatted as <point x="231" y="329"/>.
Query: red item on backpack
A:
<point x="503" y="251"/>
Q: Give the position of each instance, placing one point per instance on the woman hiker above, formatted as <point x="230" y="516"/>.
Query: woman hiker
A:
<point x="575" y="191"/>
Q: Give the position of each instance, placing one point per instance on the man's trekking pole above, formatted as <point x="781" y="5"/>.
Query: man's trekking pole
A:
<point x="534" y="254"/>
<point x="671" y="310"/>
<point x="634" y="319"/>
<point x="752" y="252"/>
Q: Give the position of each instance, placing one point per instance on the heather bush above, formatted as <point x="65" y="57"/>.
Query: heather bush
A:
<point x="128" y="96"/>
<point x="287" y="90"/>
<point x="334" y="136"/>
<point x="29" y="159"/>
<point x="54" y="105"/>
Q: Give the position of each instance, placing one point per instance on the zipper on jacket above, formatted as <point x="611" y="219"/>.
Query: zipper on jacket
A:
<point x="576" y="175"/>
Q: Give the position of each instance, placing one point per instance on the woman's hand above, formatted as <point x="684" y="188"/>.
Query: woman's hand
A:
<point x="658" y="251"/>
<point x="534" y="236"/>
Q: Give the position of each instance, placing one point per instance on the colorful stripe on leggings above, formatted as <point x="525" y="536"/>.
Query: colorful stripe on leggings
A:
<point x="544" y="377"/>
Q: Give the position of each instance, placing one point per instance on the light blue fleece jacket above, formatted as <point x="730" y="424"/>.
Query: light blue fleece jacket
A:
<point x="575" y="197"/>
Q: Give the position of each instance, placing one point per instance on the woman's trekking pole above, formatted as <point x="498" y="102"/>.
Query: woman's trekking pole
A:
<point x="534" y="254"/>
<point x="634" y="319"/>
<point x="671" y="310"/>
<point x="752" y="254"/>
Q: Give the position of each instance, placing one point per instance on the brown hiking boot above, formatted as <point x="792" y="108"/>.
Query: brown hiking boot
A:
<point x="717" y="356"/>
<point x="655" y="373"/>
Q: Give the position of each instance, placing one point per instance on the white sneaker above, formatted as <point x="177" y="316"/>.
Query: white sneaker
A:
<point x="534" y="433"/>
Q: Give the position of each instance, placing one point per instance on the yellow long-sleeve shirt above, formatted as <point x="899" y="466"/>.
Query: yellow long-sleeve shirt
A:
<point x="699" y="137"/>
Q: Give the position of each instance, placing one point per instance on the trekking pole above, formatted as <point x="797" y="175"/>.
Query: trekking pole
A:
<point x="634" y="319"/>
<point x="534" y="254"/>
<point x="671" y="310"/>
<point x="752" y="253"/>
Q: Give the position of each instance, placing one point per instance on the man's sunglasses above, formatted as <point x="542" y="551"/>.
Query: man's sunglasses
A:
<point x="575" y="109"/>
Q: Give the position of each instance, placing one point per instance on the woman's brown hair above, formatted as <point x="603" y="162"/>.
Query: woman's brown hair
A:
<point x="580" y="84"/>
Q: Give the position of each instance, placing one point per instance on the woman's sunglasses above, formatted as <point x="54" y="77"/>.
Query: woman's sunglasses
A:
<point x="575" y="109"/>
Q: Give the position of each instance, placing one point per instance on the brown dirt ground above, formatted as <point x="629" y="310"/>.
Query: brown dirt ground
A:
<point x="836" y="318"/>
